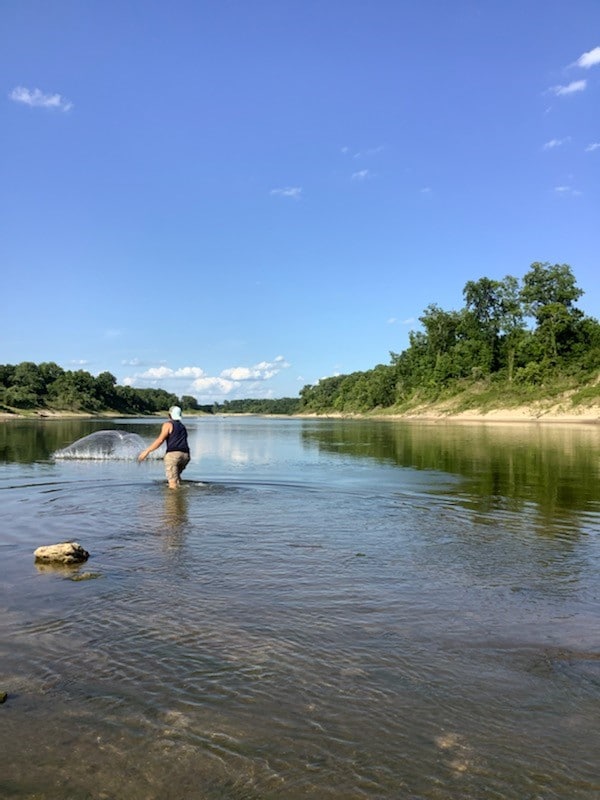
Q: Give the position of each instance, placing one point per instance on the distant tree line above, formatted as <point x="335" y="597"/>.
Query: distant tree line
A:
<point x="510" y="333"/>
<point x="283" y="405"/>
<point x="28" y="385"/>
<point x="38" y="386"/>
<point x="518" y="336"/>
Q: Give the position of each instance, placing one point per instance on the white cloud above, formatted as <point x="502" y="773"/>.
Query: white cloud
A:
<point x="425" y="190"/>
<point x="361" y="175"/>
<point x="556" y="143"/>
<point x="189" y="372"/>
<point x="37" y="99"/>
<point x="591" y="147"/>
<point x="234" y="381"/>
<point x="290" y="191"/>
<point x="80" y="362"/>
<point x="156" y="373"/>
<point x="213" y="387"/>
<point x="259" y="372"/>
<point x="574" y="86"/>
<point x="589" y="59"/>
<point x="131" y="362"/>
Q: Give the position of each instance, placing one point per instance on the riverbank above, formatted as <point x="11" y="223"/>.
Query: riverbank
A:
<point x="52" y="414"/>
<point x="569" y="406"/>
<point x="430" y="413"/>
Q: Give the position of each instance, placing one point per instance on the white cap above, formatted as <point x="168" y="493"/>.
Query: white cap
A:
<point x="175" y="412"/>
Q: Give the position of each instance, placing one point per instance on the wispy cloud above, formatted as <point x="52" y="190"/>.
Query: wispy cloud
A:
<point x="79" y="362"/>
<point x="396" y="321"/>
<point x="589" y="59"/>
<point x="362" y="175"/>
<point x="567" y="191"/>
<point x="570" y="88"/>
<point x="425" y="190"/>
<point x="553" y="143"/>
<point x="369" y="152"/>
<point x="593" y="146"/>
<point x="294" y="192"/>
<point x="38" y="99"/>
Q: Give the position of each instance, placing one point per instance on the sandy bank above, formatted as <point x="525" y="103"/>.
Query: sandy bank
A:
<point x="554" y="415"/>
<point x="50" y="414"/>
<point x="538" y="412"/>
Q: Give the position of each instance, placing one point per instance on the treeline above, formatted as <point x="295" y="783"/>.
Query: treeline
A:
<point x="517" y="335"/>
<point x="28" y="385"/>
<point x="284" y="405"/>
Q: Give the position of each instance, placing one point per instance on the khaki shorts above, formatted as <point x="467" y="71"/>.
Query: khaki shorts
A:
<point x="175" y="463"/>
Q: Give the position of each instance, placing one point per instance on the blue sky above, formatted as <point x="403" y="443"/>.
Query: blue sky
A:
<point x="235" y="198"/>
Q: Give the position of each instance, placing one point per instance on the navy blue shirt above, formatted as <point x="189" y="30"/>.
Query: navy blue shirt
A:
<point x="177" y="439"/>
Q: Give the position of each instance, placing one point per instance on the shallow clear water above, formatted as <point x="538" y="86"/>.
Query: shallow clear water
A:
<point x="325" y="609"/>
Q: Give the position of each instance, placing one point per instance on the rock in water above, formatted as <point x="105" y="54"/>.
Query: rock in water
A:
<point x="63" y="553"/>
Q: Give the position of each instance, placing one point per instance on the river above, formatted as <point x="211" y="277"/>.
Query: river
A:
<point x="329" y="609"/>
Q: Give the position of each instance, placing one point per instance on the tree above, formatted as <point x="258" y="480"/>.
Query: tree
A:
<point x="75" y="391"/>
<point x="484" y="302"/>
<point x="27" y="388"/>
<point x="511" y="321"/>
<point x="442" y="329"/>
<point x="50" y="372"/>
<point x="189" y="403"/>
<point x="548" y="294"/>
<point x="104" y="387"/>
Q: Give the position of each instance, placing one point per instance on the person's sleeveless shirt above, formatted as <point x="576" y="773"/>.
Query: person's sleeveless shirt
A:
<point x="177" y="439"/>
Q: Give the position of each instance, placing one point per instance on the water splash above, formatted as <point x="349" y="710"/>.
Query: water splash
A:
<point x="107" y="446"/>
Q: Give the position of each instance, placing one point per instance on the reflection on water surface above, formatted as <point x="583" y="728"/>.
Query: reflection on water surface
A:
<point x="326" y="609"/>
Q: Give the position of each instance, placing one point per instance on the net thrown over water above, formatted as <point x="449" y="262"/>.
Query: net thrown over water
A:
<point x="106" y="446"/>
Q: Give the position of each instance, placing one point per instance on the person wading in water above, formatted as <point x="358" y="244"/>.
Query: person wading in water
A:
<point x="177" y="456"/>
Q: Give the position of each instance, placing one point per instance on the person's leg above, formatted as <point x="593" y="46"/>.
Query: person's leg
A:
<point x="175" y="463"/>
<point x="183" y="462"/>
<point x="171" y="470"/>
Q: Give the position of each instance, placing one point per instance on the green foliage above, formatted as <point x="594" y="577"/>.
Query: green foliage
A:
<point x="283" y="405"/>
<point x="29" y="386"/>
<point x="486" y="343"/>
<point x="511" y="342"/>
<point x="189" y="403"/>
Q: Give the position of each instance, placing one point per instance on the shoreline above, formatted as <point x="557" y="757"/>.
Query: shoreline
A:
<point x="498" y="417"/>
<point x="520" y="414"/>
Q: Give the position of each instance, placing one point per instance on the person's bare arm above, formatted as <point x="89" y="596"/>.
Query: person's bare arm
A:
<point x="165" y="431"/>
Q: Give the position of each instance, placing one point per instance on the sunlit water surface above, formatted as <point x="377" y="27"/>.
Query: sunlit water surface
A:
<point x="325" y="609"/>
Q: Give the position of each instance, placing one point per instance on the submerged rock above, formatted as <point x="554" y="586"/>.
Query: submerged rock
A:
<point x="62" y="553"/>
<point x="3" y="697"/>
<point x="85" y="576"/>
